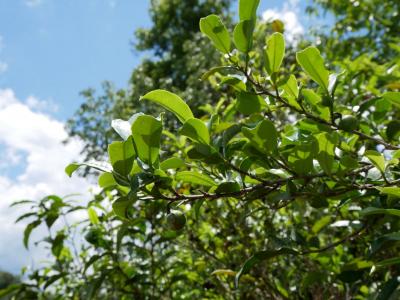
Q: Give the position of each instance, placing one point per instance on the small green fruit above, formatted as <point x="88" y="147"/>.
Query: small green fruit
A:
<point x="348" y="123"/>
<point x="176" y="220"/>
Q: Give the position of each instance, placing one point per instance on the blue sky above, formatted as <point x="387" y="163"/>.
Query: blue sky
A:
<point x="50" y="50"/>
<point x="56" y="48"/>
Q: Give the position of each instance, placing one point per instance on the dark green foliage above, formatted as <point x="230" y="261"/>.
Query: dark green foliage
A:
<point x="287" y="187"/>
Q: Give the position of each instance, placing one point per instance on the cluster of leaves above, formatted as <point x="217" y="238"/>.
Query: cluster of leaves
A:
<point x="287" y="188"/>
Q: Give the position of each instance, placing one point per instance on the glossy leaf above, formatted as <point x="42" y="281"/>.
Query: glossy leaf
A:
<point x="227" y="187"/>
<point x="392" y="97"/>
<point x="121" y="207"/>
<point x="146" y="132"/>
<point x="172" y="163"/>
<point x="28" y="231"/>
<point x="376" y="158"/>
<point x="248" y="9"/>
<point x="264" y="136"/>
<point x="326" y="150"/>
<point x="195" y="178"/>
<point x="274" y="53"/>
<point x="99" y="166"/>
<point x="94" y="219"/>
<point x="220" y="69"/>
<point x="313" y="64"/>
<point x="248" y="103"/>
<point x="243" y="35"/>
<point x="122" y="155"/>
<point x="107" y="180"/>
<point x="196" y="130"/>
<point x="122" y="127"/>
<point x="170" y="102"/>
<point x="392" y="191"/>
<point x="216" y="31"/>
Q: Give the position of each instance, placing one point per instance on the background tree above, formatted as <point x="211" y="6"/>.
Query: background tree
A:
<point x="179" y="56"/>
<point x="286" y="188"/>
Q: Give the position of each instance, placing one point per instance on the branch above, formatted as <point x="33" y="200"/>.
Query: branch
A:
<point x="263" y="91"/>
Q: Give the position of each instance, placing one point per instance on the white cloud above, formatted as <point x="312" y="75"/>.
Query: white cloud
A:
<point x="35" y="139"/>
<point x="41" y="105"/>
<point x="33" y="3"/>
<point x="289" y="16"/>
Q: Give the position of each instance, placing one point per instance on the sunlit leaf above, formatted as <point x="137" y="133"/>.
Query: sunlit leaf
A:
<point x="243" y="35"/>
<point x="376" y="158"/>
<point x="216" y="31"/>
<point x="274" y="53"/>
<point x="196" y="130"/>
<point x="170" y="102"/>
<point x="146" y="132"/>
<point x="313" y="64"/>
<point x="195" y="178"/>
<point x="248" y="9"/>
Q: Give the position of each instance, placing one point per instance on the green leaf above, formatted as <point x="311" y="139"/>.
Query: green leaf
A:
<point x="243" y="35"/>
<point x="264" y="137"/>
<point x="225" y="272"/>
<point x="248" y="103"/>
<point x="315" y="101"/>
<point x="172" y="163"/>
<point x="326" y="150"/>
<point x="227" y="187"/>
<point x="380" y="211"/>
<point x="94" y="219"/>
<point x="71" y="168"/>
<point x="320" y="224"/>
<point x="94" y="286"/>
<point x="146" y="132"/>
<point x="122" y="156"/>
<point x="393" y="97"/>
<point x="216" y="31"/>
<point x="91" y="261"/>
<point x="121" y="207"/>
<point x="393" y="130"/>
<point x="248" y="9"/>
<point x="123" y="128"/>
<point x="9" y="290"/>
<point x="99" y="166"/>
<point x="195" y="178"/>
<point x="28" y="231"/>
<point x="220" y="69"/>
<point x="196" y="130"/>
<point x="388" y="289"/>
<point x="376" y="158"/>
<point x="388" y="262"/>
<point x="274" y="53"/>
<point x="291" y="91"/>
<point x="392" y="191"/>
<point x="170" y="102"/>
<point x="313" y="64"/>
<point x="261" y="256"/>
<point x="107" y="180"/>
<point x="301" y="158"/>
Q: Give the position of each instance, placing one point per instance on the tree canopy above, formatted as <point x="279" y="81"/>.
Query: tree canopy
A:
<point x="285" y="186"/>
